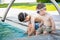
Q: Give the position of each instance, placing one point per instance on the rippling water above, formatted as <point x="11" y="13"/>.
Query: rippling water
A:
<point x="8" y="32"/>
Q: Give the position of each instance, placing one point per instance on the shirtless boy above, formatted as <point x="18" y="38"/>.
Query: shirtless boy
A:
<point x="48" y="25"/>
<point x="31" y="19"/>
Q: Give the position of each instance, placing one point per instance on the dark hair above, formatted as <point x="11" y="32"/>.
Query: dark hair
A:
<point x="22" y="16"/>
<point x="40" y="5"/>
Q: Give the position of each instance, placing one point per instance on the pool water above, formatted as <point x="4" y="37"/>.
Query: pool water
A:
<point x="9" y="32"/>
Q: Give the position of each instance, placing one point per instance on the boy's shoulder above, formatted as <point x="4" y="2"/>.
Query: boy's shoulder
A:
<point x="49" y="16"/>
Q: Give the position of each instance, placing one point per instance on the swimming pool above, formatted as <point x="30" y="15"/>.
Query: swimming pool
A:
<point x="9" y="32"/>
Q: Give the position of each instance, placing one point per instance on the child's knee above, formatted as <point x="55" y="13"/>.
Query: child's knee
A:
<point x="37" y="33"/>
<point x="45" y="32"/>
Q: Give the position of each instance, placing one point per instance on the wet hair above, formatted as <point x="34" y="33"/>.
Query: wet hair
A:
<point x="22" y="16"/>
<point x="39" y="6"/>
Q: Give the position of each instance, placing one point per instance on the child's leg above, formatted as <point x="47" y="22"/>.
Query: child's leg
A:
<point x="47" y="30"/>
<point x="39" y="31"/>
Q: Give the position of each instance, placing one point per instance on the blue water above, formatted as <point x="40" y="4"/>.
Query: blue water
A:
<point x="9" y="32"/>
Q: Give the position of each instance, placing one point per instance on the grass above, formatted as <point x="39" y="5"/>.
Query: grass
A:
<point x="3" y="5"/>
<point x="50" y="7"/>
<point x="29" y="6"/>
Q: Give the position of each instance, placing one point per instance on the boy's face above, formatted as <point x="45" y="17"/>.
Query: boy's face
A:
<point x="26" y="19"/>
<point x="43" y="11"/>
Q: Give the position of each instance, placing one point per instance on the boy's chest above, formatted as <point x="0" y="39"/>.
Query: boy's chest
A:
<point x="45" y="18"/>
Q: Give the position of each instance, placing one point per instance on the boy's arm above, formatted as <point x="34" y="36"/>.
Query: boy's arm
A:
<point x="41" y="23"/>
<point x="30" y="29"/>
<point x="53" y="24"/>
<point x="56" y="5"/>
<point x="31" y="26"/>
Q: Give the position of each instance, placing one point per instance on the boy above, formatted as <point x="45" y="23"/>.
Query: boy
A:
<point x="24" y="17"/>
<point x="48" y="25"/>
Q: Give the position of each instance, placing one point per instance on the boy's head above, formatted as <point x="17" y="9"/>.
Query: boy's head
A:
<point x="22" y="16"/>
<point x="41" y="8"/>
